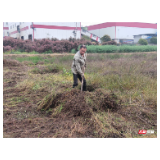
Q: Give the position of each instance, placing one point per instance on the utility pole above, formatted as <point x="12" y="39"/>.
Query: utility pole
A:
<point x="75" y="32"/>
<point x="19" y="31"/>
<point x="76" y="29"/>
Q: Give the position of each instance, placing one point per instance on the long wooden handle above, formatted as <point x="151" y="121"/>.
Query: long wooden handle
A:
<point x="82" y="85"/>
<point x="83" y="77"/>
<point x="82" y="81"/>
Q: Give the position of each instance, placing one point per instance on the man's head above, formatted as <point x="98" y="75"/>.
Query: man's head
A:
<point x="83" y="49"/>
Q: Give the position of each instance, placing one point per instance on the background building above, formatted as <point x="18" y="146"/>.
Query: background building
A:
<point x="144" y="36"/>
<point x="5" y="29"/>
<point x="20" y="30"/>
<point x="39" y="30"/>
<point x="122" y="31"/>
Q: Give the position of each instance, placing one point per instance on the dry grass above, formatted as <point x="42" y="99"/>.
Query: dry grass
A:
<point x="131" y="77"/>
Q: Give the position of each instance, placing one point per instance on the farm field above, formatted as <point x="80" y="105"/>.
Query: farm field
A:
<point x="39" y="101"/>
<point x="62" y="54"/>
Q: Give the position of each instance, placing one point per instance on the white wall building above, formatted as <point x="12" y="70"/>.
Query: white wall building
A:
<point x="122" y="30"/>
<point x="23" y="27"/>
<point x="5" y="29"/>
<point x="144" y="36"/>
<point x="39" y="30"/>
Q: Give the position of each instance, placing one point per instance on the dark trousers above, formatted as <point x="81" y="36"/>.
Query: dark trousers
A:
<point x="75" y="81"/>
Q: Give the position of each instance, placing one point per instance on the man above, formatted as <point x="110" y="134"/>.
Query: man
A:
<point x="78" y="64"/>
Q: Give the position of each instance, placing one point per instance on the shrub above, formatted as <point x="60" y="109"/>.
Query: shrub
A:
<point x="49" y="51"/>
<point x="93" y="43"/>
<point x="40" y="49"/>
<point x="84" y="28"/>
<point x="106" y="38"/>
<point x="126" y="48"/>
<point x="109" y="43"/>
<point x="121" y="49"/>
<point x="153" y="40"/>
<point x="86" y="38"/>
<point x="72" y="39"/>
<point x="143" y="41"/>
<point x="72" y="45"/>
<point x="54" y="39"/>
<point x="101" y="49"/>
<point x="18" y="49"/>
<point x="73" y="51"/>
<point x="7" y="48"/>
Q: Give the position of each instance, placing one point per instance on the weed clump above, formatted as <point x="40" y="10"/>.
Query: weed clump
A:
<point x="10" y="62"/>
<point x="75" y="103"/>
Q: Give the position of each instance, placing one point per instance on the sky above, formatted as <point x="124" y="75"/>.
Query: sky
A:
<point x="83" y="24"/>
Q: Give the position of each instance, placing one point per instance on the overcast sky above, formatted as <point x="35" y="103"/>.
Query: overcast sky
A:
<point x="83" y="24"/>
<point x="93" y="23"/>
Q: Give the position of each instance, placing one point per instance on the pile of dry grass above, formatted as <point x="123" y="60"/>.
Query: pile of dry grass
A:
<point x="81" y="108"/>
<point x="11" y="62"/>
<point x="75" y="103"/>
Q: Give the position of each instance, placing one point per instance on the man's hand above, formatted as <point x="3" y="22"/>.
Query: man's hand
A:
<point x="82" y="75"/>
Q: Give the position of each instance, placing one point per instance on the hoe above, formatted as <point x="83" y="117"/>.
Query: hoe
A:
<point x="82" y="77"/>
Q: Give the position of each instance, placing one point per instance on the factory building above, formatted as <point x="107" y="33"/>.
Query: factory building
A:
<point x="144" y="36"/>
<point x="20" y="30"/>
<point x="5" y="29"/>
<point x="40" y="30"/>
<point x="122" y="31"/>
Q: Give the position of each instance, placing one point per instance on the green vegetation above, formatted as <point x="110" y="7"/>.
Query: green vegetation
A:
<point x="124" y="48"/>
<point x="153" y="40"/>
<point x="106" y="38"/>
<point x="105" y="49"/>
<point x="143" y="41"/>
<point x="86" y="38"/>
<point x="34" y="59"/>
<point x="20" y="52"/>
<point x="73" y="51"/>
<point x="147" y="48"/>
<point x="84" y="28"/>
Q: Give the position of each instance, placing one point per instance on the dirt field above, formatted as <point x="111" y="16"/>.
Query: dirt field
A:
<point x="64" y="54"/>
<point x="121" y="96"/>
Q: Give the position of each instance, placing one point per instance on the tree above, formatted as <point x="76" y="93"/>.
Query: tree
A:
<point x="84" y="28"/>
<point x="106" y="38"/>
<point x="153" y="40"/>
<point x="86" y="38"/>
<point x="143" y="41"/>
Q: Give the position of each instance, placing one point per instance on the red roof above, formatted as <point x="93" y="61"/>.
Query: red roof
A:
<point x="123" y="24"/>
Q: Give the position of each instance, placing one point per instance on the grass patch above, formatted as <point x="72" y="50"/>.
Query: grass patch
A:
<point x="34" y="59"/>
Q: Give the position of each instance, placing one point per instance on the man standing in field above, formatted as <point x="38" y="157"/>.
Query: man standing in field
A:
<point x="78" y="65"/>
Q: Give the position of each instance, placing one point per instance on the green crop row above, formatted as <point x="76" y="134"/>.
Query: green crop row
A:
<point x="124" y="48"/>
